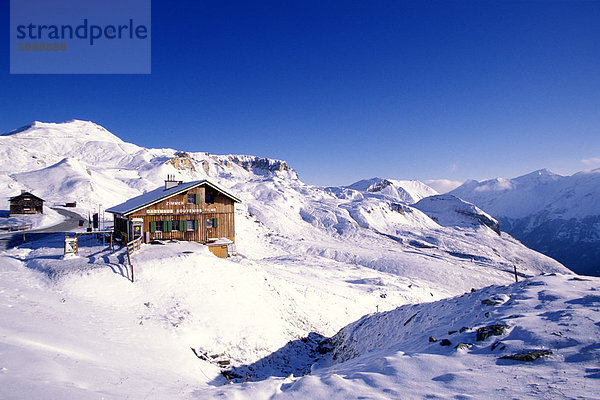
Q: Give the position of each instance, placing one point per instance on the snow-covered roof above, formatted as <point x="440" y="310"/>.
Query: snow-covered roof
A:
<point x="160" y="194"/>
<point x="25" y="194"/>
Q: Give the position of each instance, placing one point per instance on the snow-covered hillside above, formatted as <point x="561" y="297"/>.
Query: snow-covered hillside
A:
<point x="77" y="328"/>
<point x="371" y="223"/>
<point x="311" y="260"/>
<point x="534" y="339"/>
<point x="554" y="214"/>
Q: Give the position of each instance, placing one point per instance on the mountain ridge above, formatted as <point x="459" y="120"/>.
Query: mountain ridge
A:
<point x="555" y="214"/>
<point x="340" y="223"/>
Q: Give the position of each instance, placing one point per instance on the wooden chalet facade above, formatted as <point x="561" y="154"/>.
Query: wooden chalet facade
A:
<point x="197" y="211"/>
<point x="26" y="203"/>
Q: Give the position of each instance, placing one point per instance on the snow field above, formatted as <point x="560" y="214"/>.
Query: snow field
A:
<point x="311" y="261"/>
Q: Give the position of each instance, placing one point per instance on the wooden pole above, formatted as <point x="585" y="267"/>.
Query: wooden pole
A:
<point x="516" y="276"/>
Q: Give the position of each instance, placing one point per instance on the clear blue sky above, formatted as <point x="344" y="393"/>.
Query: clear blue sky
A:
<point x="351" y="89"/>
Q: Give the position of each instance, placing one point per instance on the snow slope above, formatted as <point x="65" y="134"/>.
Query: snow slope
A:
<point x="402" y="353"/>
<point x="371" y="223"/>
<point x="554" y="214"/>
<point x="76" y="328"/>
<point x="312" y="260"/>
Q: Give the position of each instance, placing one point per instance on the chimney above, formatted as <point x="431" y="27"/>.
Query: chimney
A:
<point x="23" y="191"/>
<point x="170" y="182"/>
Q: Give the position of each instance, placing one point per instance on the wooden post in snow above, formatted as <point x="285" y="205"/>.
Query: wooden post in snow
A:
<point x="516" y="276"/>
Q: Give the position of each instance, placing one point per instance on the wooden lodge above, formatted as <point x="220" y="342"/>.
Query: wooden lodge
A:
<point x="197" y="211"/>
<point x="26" y="203"/>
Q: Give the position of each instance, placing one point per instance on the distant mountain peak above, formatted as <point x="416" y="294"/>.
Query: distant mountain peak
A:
<point x="408" y="191"/>
<point x="539" y="174"/>
<point x="71" y="128"/>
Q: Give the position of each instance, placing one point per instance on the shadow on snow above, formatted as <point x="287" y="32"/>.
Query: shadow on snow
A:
<point x="296" y="357"/>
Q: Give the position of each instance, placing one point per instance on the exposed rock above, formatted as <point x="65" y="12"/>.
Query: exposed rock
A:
<point x="377" y="187"/>
<point x="495" y="300"/>
<point x="182" y="162"/>
<point x="483" y="219"/>
<point x="498" y="344"/>
<point x="528" y="356"/>
<point x="249" y="163"/>
<point x="432" y="339"/>
<point x="324" y="347"/>
<point x="445" y="342"/>
<point x="463" y="346"/>
<point x="492" y="330"/>
<point x="399" y="208"/>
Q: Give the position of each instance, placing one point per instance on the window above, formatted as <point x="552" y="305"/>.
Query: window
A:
<point x="209" y="197"/>
<point x="175" y="225"/>
<point x="211" y="223"/>
<point x="193" y="199"/>
<point x="190" y="225"/>
<point x="159" y="226"/>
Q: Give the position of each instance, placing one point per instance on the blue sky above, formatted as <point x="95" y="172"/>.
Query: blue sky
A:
<point x="350" y="90"/>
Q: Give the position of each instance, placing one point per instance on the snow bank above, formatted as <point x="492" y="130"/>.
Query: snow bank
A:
<point x="37" y="221"/>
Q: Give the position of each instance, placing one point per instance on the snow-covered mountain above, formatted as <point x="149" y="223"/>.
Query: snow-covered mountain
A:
<point x="371" y="222"/>
<point x="554" y="214"/>
<point x="395" y="190"/>
<point x="311" y="260"/>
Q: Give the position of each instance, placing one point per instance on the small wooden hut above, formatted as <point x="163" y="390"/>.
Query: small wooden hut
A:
<point x="26" y="203"/>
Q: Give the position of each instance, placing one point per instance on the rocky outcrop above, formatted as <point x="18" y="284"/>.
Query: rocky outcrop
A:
<point x="527" y="356"/>
<point x="182" y="161"/>
<point x="492" y="330"/>
<point x="483" y="220"/>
